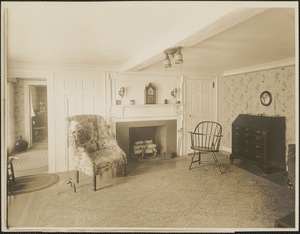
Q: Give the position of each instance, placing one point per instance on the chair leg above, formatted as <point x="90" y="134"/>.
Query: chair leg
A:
<point x="192" y="161"/>
<point x="94" y="183"/>
<point x="77" y="176"/>
<point x="199" y="157"/>
<point x="9" y="183"/>
<point x="12" y="172"/>
<point x="124" y="169"/>
<point x="216" y="162"/>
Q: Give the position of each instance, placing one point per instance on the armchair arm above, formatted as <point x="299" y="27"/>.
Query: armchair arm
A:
<point x="81" y="160"/>
<point x="211" y="141"/>
<point x="112" y="144"/>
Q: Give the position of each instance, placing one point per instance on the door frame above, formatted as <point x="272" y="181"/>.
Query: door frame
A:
<point x="186" y="93"/>
<point x="27" y="108"/>
<point x="36" y="75"/>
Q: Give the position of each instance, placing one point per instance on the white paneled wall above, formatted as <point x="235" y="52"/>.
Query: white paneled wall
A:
<point x="77" y="92"/>
<point x="135" y="85"/>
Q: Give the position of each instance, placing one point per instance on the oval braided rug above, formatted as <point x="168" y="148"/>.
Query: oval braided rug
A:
<point x="31" y="183"/>
<point x="31" y="160"/>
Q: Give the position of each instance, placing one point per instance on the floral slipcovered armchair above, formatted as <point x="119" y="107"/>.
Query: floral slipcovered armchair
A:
<point x="92" y="147"/>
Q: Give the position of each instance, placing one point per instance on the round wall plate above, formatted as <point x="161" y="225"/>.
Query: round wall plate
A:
<point x="266" y="98"/>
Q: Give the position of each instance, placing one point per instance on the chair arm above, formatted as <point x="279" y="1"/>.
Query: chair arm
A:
<point x="113" y="145"/>
<point x="80" y="154"/>
<point x="202" y="134"/>
<point x="108" y="144"/>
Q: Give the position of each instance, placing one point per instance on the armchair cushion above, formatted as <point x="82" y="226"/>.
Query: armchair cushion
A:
<point x="104" y="143"/>
<point x="106" y="158"/>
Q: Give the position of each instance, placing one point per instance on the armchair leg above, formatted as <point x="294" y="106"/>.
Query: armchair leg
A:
<point x="94" y="183"/>
<point x="124" y="170"/>
<point x="77" y="176"/>
<point x="199" y="157"/>
<point x="216" y="162"/>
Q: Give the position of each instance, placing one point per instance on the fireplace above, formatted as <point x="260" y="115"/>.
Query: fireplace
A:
<point x="162" y="132"/>
<point x="156" y="134"/>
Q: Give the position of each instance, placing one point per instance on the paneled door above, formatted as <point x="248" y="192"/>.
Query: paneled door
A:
<point x="200" y="105"/>
<point x="77" y="93"/>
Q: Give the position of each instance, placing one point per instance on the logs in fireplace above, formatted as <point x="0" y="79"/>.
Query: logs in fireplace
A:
<point x="141" y="148"/>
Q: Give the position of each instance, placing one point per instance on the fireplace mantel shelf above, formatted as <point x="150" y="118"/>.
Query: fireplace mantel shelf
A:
<point x="147" y="105"/>
<point x="146" y="111"/>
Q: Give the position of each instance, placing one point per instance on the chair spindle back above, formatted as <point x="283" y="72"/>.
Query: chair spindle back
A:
<point x="207" y="136"/>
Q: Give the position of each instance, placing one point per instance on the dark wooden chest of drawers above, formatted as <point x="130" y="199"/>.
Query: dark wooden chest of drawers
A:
<point x="259" y="140"/>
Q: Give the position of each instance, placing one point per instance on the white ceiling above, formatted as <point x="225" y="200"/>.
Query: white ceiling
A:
<point x="267" y="37"/>
<point x="132" y="35"/>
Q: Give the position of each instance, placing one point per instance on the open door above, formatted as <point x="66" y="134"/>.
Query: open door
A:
<point x="29" y="106"/>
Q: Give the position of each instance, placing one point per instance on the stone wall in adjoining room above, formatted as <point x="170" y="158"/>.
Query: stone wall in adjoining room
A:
<point x="240" y="94"/>
<point x="19" y="108"/>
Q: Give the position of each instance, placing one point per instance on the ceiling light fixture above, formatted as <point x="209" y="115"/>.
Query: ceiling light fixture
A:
<point x="175" y="51"/>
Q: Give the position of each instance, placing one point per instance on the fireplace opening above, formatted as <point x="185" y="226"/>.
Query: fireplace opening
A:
<point x="154" y="136"/>
<point x="162" y="132"/>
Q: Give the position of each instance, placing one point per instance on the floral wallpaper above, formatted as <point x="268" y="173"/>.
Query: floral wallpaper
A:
<point x="240" y="94"/>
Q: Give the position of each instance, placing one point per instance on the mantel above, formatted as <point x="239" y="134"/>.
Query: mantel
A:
<point x="137" y="119"/>
<point x="145" y="110"/>
<point x="147" y="105"/>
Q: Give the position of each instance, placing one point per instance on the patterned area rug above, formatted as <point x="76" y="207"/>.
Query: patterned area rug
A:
<point x="26" y="184"/>
<point x="178" y="198"/>
<point x="31" y="160"/>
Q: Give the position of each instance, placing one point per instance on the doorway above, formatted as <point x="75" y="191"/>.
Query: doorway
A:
<point x="38" y="114"/>
<point x="28" y="107"/>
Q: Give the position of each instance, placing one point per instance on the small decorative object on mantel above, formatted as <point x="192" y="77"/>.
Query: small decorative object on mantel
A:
<point x="166" y="101"/>
<point x="118" y="102"/>
<point x="150" y="94"/>
<point x="132" y="101"/>
<point x="174" y="92"/>
<point x="121" y="92"/>
<point x="266" y="98"/>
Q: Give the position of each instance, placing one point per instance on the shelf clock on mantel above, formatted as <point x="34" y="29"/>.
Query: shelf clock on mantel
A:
<point x="150" y="94"/>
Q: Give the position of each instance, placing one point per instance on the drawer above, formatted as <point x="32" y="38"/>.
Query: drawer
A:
<point x="249" y="130"/>
<point x="236" y="150"/>
<point x="256" y="131"/>
<point x="253" y="146"/>
<point x="258" y="158"/>
<point x="259" y="138"/>
<point x="242" y="134"/>
<point x="242" y="151"/>
<point x="256" y="147"/>
<point x="249" y="150"/>
<point x="248" y="137"/>
<point x="242" y="139"/>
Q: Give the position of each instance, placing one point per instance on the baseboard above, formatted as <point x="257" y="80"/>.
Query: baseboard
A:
<point x="227" y="149"/>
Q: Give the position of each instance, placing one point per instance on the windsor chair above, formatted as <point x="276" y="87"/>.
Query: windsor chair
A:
<point x="206" y="138"/>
